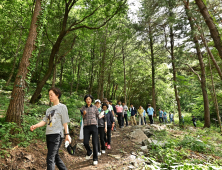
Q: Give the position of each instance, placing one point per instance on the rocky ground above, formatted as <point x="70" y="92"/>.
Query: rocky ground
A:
<point x="129" y="150"/>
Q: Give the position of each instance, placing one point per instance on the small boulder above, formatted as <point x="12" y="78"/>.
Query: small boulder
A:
<point x="146" y="142"/>
<point x="148" y="133"/>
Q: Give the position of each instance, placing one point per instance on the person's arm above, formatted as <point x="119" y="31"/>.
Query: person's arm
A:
<point x="65" y="125"/>
<point x="40" y="124"/>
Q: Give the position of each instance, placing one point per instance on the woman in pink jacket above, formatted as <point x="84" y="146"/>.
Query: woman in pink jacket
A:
<point x="119" y="113"/>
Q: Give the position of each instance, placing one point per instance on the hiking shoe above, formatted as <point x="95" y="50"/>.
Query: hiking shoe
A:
<point x="95" y="162"/>
<point x="103" y="151"/>
<point x="99" y="153"/>
<point x="88" y="157"/>
<point x="108" y="147"/>
<point x="106" y="143"/>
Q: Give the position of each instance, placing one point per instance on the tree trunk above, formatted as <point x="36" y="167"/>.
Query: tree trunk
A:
<point x="124" y="74"/>
<point x="16" y="106"/>
<point x="61" y="73"/>
<point x="211" y="25"/>
<point x="153" y="70"/>
<point x="215" y="96"/>
<point x="78" y="72"/>
<point x="102" y="71"/>
<point x="73" y="70"/>
<point x="113" y="90"/>
<point x="203" y="79"/>
<point x="54" y="77"/>
<point x="92" y="69"/>
<point x="173" y="64"/>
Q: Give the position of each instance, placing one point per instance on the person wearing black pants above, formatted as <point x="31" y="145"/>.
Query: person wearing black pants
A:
<point x="53" y="143"/>
<point x="110" y="125"/>
<point x="91" y="130"/>
<point x="150" y="112"/>
<point x="194" y="121"/>
<point x="119" y="110"/>
<point x="56" y="120"/>
<point x="90" y="115"/>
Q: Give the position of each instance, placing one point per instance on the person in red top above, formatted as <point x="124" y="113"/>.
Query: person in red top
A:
<point x="119" y="113"/>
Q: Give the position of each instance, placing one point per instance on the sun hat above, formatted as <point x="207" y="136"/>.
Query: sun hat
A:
<point x="97" y="100"/>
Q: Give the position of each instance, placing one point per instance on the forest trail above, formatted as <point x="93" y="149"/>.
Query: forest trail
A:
<point x="34" y="156"/>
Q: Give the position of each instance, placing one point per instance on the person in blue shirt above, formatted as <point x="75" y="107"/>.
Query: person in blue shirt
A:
<point x="150" y="111"/>
<point x="182" y="118"/>
<point x="160" y="115"/>
<point x="164" y="117"/>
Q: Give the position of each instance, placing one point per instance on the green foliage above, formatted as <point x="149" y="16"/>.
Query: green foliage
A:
<point x="194" y="144"/>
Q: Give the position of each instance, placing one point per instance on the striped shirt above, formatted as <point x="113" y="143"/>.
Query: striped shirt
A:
<point x="91" y="115"/>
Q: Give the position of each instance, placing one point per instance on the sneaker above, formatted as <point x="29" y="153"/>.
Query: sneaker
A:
<point x="99" y="153"/>
<point x="88" y="157"/>
<point x="108" y="147"/>
<point x="106" y="143"/>
<point x="103" y="151"/>
<point x="95" y="162"/>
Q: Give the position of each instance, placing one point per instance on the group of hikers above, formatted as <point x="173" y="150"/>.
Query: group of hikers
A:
<point x="99" y="119"/>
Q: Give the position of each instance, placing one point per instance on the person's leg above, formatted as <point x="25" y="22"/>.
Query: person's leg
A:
<point x="87" y="133"/>
<point x="101" y="134"/>
<point x="134" y="118"/>
<point x="99" y="137"/>
<point x="144" y="120"/>
<point x="59" y="162"/>
<point x="94" y="132"/>
<point x="151" y="119"/>
<point x="150" y="116"/>
<point x="126" y="119"/>
<point x="131" y="118"/>
<point x="162" y="119"/>
<point x="140" y="120"/>
<point x="53" y="144"/>
<point x="119" y="119"/>
<point x="122" y="122"/>
<point x="109" y="135"/>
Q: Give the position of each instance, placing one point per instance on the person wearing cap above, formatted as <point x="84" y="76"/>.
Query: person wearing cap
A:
<point x="102" y="127"/>
<point x="133" y="112"/>
<point x="119" y="113"/>
<point x="90" y="115"/>
<point x="114" y="112"/>
<point x="56" y="120"/>
<point x="125" y="108"/>
<point x="160" y="115"/>
<point x="150" y="112"/>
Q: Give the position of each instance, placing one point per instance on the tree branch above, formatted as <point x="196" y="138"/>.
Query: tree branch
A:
<point x="194" y="72"/>
<point x="62" y="56"/>
<point x="84" y="18"/>
<point x="84" y="26"/>
<point x="48" y="36"/>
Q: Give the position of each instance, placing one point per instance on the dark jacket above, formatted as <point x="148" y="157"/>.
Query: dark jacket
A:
<point x="101" y="122"/>
<point x="133" y="111"/>
<point x="109" y="119"/>
<point x="114" y="108"/>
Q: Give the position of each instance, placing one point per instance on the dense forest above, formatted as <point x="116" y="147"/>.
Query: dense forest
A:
<point x="167" y="53"/>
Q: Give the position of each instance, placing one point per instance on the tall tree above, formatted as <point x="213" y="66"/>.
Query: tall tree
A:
<point x="16" y="106"/>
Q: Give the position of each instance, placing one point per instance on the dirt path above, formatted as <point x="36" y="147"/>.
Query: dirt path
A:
<point x="34" y="156"/>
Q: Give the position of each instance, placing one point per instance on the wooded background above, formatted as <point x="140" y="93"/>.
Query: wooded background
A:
<point x="170" y="58"/>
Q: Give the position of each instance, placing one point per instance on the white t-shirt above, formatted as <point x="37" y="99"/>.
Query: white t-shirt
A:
<point x="55" y="117"/>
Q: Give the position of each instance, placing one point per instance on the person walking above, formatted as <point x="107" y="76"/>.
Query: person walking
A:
<point x="164" y="117"/>
<point x="56" y="120"/>
<point x="160" y="115"/>
<point x="113" y="112"/>
<point x="133" y="112"/>
<point x="194" y="121"/>
<point x="110" y="125"/>
<point x="119" y="113"/>
<point x="171" y="118"/>
<point x="102" y="127"/>
<point x="90" y="115"/>
<point x="150" y="112"/>
<point x="140" y="113"/>
<point x="125" y="108"/>
<point x="144" y="116"/>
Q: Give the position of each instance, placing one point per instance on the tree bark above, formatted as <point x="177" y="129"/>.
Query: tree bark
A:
<point x="211" y="25"/>
<point x="153" y="69"/>
<point x="203" y="79"/>
<point x="61" y="73"/>
<point x="215" y="96"/>
<point x="92" y="70"/>
<point x="124" y="75"/>
<point x="173" y="64"/>
<point x="16" y="106"/>
<point x="73" y="70"/>
<point x="78" y="72"/>
<point x="54" y="77"/>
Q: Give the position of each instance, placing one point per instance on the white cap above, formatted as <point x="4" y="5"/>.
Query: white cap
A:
<point x="97" y="100"/>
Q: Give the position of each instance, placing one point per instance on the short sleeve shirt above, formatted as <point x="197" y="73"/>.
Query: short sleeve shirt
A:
<point x="55" y="117"/>
<point x="91" y="115"/>
<point x="110" y="107"/>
